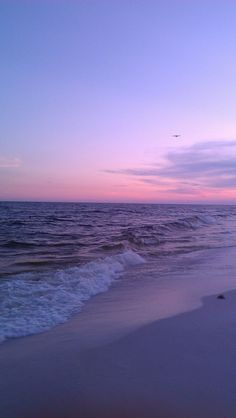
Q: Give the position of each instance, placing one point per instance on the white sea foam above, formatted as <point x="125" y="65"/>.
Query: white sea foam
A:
<point x="31" y="303"/>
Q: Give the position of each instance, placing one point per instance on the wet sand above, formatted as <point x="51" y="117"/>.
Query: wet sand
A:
<point x="183" y="366"/>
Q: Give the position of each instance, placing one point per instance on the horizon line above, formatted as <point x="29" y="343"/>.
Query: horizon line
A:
<point x="120" y="203"/>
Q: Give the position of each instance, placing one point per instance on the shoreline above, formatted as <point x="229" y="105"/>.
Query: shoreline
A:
<point x="182" y="366"/>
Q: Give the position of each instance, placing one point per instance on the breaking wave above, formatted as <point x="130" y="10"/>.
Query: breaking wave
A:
<point x="35" y="302"/>
<point x="152" y="235"/>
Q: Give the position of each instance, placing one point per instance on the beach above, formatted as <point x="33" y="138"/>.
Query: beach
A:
<point x="104" y="319"/>
<point x="182" y="366"/>
<point x="179" y="367"/>
<point x="118" y="209"/>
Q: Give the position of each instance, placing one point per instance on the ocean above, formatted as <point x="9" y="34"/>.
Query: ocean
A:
<point x="54" y="257"/>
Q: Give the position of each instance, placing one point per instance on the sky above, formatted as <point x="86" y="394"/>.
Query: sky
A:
<point x="92" y="93"/>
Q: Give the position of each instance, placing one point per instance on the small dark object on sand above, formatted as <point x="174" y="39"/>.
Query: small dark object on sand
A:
<point x="220" y="297"/>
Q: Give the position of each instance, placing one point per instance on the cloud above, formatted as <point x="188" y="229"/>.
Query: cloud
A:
<point x="206" y="165"/>
<point x="6" y="162"/>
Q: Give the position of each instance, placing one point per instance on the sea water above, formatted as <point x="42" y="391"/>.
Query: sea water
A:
<point x="55" y="256"/>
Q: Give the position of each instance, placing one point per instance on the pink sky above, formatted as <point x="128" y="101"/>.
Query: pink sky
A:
<point x="89" y="105"/>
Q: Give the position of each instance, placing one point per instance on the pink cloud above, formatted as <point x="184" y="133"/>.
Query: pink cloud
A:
<point x="10" y="162"/>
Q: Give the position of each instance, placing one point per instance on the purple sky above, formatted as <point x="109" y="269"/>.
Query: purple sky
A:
<point x="92" y="92"/>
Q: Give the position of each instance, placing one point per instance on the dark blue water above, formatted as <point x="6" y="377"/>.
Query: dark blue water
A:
<point x="36" y="236"/>
<point x="55" y="256"/>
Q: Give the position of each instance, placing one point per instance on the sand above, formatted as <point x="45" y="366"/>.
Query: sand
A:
<point x="183" y="366"/>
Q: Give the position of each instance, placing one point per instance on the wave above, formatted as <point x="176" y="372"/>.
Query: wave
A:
<point x="14" y="244"/>
<point x="153" y="235"/>
<point x="18" y="244"/>
<point x="112" y="247"/>
<point x="191" y="222"/>
<point x="36" y="302"/>
<point x="54" y="218"/>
